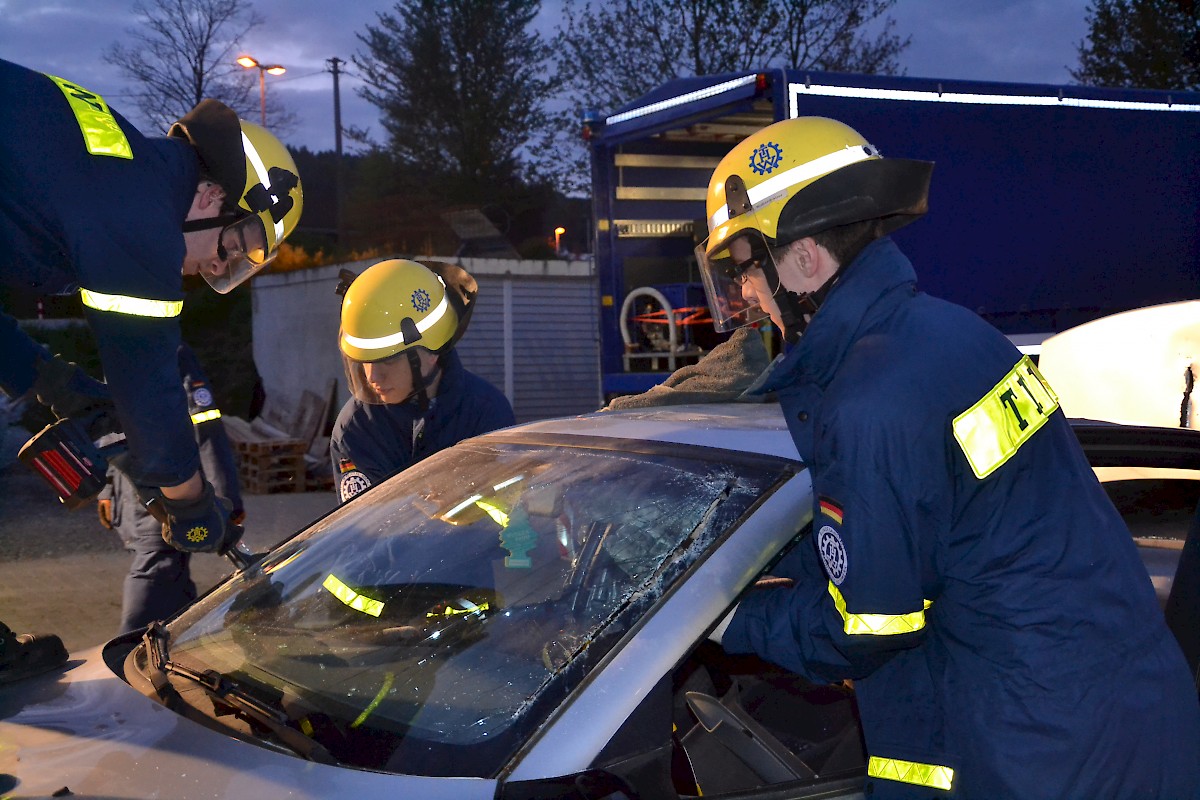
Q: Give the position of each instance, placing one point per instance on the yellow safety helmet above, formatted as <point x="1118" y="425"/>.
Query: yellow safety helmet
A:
<point x="395" y="305"/>
<point x="790" y="180"/>
<point x="263" y="193"/>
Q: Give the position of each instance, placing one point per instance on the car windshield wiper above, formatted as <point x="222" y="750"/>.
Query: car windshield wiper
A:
<point x="229" y="692"/>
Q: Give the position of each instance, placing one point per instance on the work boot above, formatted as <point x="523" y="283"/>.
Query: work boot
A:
<point x="27" y="654"/>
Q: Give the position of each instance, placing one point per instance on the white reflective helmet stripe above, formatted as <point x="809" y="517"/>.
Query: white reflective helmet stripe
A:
<point x="777" y="184"/>
<point x="431" y="319"/>
<point x="133" y="306"/>
<point x="260" y="169"/>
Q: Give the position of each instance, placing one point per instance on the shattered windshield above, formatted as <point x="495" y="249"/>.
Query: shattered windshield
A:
<point x="430" y="626"/>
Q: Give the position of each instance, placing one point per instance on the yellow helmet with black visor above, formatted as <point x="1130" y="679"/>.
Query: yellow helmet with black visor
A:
<point x="263" y="193"/>
<point x="793" y="179"/>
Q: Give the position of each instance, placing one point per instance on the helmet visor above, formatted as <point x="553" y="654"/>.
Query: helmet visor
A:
<point x="733" y="277"/>
<point x="242" y="247"/>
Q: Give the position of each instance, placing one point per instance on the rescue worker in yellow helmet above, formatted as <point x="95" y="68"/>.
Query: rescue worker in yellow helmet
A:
<point x="411" y="396"/>
<point x="89" y="204"/>
<point x="965" y="567"/>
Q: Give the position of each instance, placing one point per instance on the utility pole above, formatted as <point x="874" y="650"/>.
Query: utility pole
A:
<point x="334" y="64"/>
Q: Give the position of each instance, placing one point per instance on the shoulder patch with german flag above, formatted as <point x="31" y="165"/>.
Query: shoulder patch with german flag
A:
<point x="829" y="539"/>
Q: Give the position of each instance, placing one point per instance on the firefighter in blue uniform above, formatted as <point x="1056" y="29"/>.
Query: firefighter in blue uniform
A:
<point x="965" y="567"/>
<point x="411" y="395"/>
<point x="159" y="581"/>
<point x="88" y="204"/>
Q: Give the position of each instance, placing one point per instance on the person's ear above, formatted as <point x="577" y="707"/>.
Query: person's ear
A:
<point x="211" y="194"/>
<point x="806" y="256"/>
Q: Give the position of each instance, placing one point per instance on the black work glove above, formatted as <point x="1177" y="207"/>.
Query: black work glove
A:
<point x="73" y="394"/>
<point x="202" y="525"/>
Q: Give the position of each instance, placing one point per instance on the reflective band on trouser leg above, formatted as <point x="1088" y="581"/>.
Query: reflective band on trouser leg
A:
<point x="993" y="429"/>
<point x="133" y="306"/>
<point x="205" y="416"/>
<point x="352" y="598"/>
<point x="101" y="133"/>
<point x="877" y="624"/>
<point x="892" y="769"/>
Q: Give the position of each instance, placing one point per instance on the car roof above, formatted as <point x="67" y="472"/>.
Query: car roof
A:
<point x="759" y="428"/>
<point x="756" y="428"/>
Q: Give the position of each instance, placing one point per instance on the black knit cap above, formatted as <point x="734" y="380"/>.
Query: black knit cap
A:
<point x="214" y="130"/>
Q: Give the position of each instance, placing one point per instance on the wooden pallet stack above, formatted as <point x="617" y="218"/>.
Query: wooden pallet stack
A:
<point x="285" y="448"/>
<point x="269" y="461"/>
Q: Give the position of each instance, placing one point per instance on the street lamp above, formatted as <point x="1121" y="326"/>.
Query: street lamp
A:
<point x="274" y="69"/>
<point x="558" y="232"/>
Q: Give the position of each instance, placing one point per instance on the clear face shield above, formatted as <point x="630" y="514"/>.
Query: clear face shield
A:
<point x="734" y="280"/>
<point x="388" y="380"/>
<point x="242" y="245"/>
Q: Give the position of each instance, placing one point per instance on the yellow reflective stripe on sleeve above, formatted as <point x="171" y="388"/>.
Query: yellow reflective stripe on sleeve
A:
<point x="133" y="306"/>
<point x="205" y="416"/>
<point x="101" y="133"/>
<point x="877" y="624"/>
<point x="893" y="769"/>
<point x="991" y="431"/>
<point x="352" y="598"/>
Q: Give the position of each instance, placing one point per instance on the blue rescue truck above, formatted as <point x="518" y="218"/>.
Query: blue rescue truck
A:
<point x="1050" y="205"/>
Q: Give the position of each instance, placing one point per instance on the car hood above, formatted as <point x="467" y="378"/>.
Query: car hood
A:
<point x="84" y="730"/>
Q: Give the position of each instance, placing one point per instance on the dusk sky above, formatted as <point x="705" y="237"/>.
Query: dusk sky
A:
<point x="1031" y="41"/>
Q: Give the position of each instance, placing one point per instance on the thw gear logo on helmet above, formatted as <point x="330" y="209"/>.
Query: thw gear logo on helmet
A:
<point x="766" y="158"/>
<point x="197" y="534"/>
<point x="421" y="300"/>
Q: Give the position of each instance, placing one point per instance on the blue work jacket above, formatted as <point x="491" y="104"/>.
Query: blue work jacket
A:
<point x="372" y="442"/>
<point x="218" y="461"/>
<point x="88" y="204"/>
<point x="965" y="566"/>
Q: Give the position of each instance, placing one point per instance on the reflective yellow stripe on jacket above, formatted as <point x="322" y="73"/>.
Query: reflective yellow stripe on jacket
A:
<point x="877" y="624"/>
<point x="134" y="306"/>
<point x="352" y="598"/>
<point x="101" y="133"/>
<point x="893" y="769"/>
<point x="205" y="416"/>
<point x="991" y="431"/>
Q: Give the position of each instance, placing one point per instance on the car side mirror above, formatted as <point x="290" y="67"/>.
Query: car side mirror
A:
<point x="594" y="784"/>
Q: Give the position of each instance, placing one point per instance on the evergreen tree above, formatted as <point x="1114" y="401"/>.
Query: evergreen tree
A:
<point x="1145" y="44"/>
<point x="459" y="85"/>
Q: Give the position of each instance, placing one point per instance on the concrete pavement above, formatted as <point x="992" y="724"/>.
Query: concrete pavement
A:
<point x="62" y="573"/>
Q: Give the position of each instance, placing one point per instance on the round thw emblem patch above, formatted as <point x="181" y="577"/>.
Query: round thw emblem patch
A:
<point x="352" y="483"/>
<point x="833" y="554"/>
<point x="202" y="398"/>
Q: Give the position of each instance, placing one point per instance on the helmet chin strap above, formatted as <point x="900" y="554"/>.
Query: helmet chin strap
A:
<point x="420" y="381"/>
<point x="796" y="309"/>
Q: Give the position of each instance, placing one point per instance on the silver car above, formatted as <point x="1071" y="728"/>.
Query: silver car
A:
<point x="521" y="616"/>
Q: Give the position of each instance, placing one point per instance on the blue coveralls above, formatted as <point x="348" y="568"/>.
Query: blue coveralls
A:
<point x="159" y="582"/>
<point x="100" y="212"/>
<point x="966" y="568"/>
<point x="372" y="442"/>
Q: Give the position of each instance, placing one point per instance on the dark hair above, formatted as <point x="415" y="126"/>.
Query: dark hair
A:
<point x="845" y="242"/>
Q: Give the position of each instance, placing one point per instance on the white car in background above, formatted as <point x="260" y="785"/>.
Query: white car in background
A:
<point x="521" y="616"/>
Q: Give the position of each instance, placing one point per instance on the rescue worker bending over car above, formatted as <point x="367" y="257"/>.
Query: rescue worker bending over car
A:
<point x="87" y="203"/>
<point x="965" y="567"/>
<point x="411" y="395"/>
<point x="159" y="581"/>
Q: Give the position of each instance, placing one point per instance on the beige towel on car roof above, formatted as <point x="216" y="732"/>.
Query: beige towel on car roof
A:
<point x="721" y="376"/>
